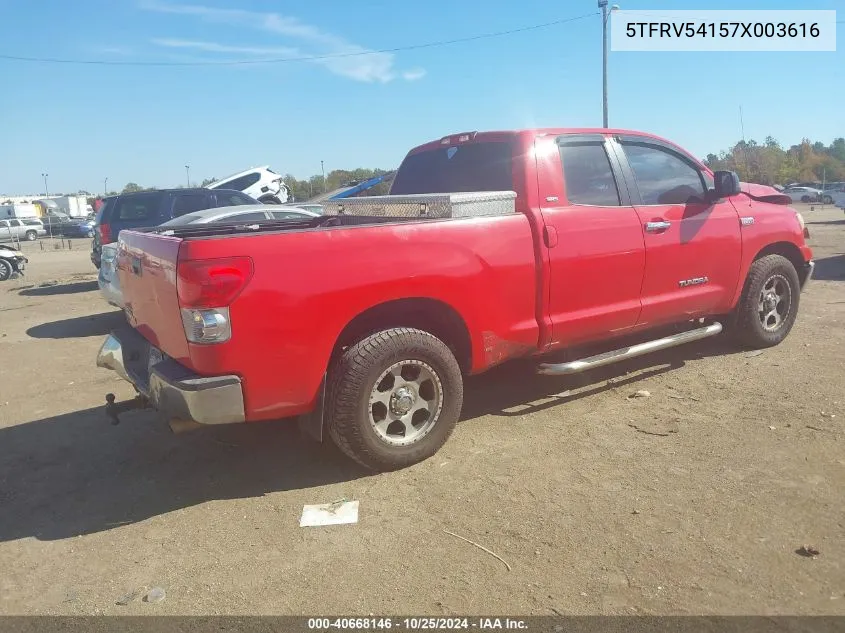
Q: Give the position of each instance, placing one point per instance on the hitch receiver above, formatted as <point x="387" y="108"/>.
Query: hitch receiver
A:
<point x="114" y="409"/>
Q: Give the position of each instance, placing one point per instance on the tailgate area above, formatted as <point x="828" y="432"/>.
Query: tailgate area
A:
<point x="146" y="268"/>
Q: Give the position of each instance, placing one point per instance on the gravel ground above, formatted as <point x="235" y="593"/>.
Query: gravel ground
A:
<point x="693" y="500"/>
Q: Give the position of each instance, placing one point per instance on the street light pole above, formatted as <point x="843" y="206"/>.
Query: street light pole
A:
<point x="188" y="175"/>
<point x="46" y="189"/>
<point x="106" y="186"/>
<point x="323" y="169"/>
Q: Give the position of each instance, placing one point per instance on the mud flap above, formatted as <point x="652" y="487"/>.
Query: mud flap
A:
<point x="312" y="424"/>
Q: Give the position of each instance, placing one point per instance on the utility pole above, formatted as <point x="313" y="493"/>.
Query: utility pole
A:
<point x="106" y="186"/>
<point x="605" y="16"/>
<point x="188" y="175"/>
<point x="323" y="169"/>
<point x="46" y="190"/>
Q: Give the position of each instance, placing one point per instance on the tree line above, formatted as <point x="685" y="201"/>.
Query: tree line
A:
<point x="770" y="164"/>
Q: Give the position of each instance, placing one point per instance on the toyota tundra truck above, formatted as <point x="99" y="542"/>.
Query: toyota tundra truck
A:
<point x="363" y="323"/>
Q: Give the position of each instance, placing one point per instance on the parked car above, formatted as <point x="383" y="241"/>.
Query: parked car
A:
<point x="77" y="228"/>
<point x="21" y="229"/>
<point x="261" y="183"/>
<point x="149" y="208"/>
<point x="246" y="213"/>
<point x="364" y="321"/>
<point x="11" y="261"/>
<point x="803" y="194"/>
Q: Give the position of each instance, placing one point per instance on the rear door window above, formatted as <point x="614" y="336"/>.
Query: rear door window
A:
<point x="588" y="175"/>
<point x="189" y="202"/>
<point x="137" y="208"/>
<point x="482" y="166"/>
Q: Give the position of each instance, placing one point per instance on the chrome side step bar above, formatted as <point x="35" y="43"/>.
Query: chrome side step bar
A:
<point x="608" y="358"/>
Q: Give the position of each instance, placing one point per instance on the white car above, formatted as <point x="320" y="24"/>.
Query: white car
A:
<point x="262" y="183"/>
<point x="803" y="194"/>
<point x="108" y="280"/>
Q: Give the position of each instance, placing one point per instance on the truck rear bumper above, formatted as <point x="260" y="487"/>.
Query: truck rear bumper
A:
<point x="175" y="391"/>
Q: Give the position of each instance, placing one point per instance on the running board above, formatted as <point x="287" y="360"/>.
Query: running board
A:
<point x="608" y="358"/>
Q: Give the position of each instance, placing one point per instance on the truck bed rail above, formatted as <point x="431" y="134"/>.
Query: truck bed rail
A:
<point x="428" y="205"/>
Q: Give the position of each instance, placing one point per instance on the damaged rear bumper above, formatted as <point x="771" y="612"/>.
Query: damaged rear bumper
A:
<point x="178" y="393"/>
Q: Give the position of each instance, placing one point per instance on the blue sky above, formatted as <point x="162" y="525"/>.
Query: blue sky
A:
<point x="83" y="123"/>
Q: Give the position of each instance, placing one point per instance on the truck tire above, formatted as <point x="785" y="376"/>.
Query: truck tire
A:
<point x="31" y="235"/>
<point x="6" y="269"/>
<point x="768" y="306"/>
<point x="394" y="398"/>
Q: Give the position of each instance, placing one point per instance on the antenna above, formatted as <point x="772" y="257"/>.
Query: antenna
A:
<point x="744" y="144"/>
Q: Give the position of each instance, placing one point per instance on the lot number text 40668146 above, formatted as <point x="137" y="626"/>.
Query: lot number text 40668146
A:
<point x="417" y="624"/>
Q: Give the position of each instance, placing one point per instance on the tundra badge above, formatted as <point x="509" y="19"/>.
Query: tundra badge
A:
<point x="695" y="281"/>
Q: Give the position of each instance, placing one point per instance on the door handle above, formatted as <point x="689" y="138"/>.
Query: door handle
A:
<point x="655" y="227"/>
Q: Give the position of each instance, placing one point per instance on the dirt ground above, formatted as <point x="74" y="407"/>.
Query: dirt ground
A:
<point x="691" y="501"/>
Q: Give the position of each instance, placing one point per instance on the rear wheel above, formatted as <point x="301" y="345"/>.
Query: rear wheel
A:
<point x="769" y="304"/>
<point x="269" y="200"/>
<point x="394" y="398"/>
<point x="31" y="235"/>
<point x="827" y="200"/>
<point x="6" y="269"/>
<point x="805" y="198"/>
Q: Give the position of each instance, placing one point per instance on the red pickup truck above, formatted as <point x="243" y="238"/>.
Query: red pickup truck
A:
<point x="491" y="246"/>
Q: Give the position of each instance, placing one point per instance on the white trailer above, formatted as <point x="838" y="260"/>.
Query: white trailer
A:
<point x="18" y="210"/>
<point x="74" y="206"/>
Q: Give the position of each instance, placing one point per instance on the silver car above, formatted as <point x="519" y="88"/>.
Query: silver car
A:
<point x="22" y="229"/>
<point x="242" y="213"/>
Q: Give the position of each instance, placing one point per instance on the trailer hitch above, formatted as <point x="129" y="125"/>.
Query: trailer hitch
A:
<point x="114" y="409"/>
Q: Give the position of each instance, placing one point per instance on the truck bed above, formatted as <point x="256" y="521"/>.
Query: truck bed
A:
<point x="311" y="278"/>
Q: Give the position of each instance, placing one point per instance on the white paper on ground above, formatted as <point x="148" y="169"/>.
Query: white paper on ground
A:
<point x="329" y="514"/>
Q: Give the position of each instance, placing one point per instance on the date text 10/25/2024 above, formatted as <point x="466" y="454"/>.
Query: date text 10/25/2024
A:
<point x="418" y="624"/>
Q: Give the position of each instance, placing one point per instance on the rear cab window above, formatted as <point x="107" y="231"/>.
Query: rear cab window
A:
<point x="473" y="166"/>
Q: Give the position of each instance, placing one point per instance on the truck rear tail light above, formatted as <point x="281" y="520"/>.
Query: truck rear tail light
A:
<point x="212" y="283"/>
<point x="207" y="326"/>
<point x="105" y="234"/>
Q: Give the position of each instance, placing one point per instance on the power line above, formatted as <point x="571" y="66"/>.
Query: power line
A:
<point x="280" y="60"/>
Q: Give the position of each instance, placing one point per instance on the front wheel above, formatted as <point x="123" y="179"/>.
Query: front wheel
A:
<point x="269" y="200"/>
<point x="827" y="200"/>
<point x="769" y="304"/>
<point x="394" y="398"/>
<point x="31" y="235"/>
<point x="6" y="269"/>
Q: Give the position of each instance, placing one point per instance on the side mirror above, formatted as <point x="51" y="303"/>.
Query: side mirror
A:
<point x="726" y="184"/>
